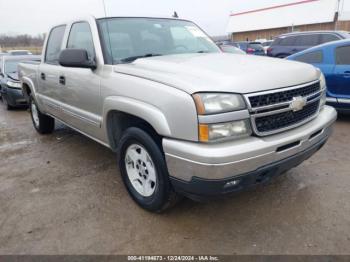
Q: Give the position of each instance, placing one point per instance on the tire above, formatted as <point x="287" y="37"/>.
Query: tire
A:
<point x="42" y="123"/>
<point x="281" y="56"/>
<point x="144" y="171"/>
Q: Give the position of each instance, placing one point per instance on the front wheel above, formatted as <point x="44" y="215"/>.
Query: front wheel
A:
<point x="44" y="124"/>
<point x="6" y="103"/>
<point x="144" y="172"/>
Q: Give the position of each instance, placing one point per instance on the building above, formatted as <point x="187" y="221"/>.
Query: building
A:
<point x="306" y="15"/>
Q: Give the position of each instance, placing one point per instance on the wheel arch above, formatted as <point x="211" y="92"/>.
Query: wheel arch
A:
<point x="121" y="113"/>
<point x="28" y="88"/>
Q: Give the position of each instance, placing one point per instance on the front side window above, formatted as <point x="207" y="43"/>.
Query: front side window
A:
<point x="127" y="38"/>
<point x="80" y="37"/>
<point x="54" y="44"/>
<point x="311" y="58"/>
<point x="343" y="55"/>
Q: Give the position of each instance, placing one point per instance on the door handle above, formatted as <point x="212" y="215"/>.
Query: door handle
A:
<point x="43" y="76"/>
<point x="62" y="80"/>
<point x="347" y="74"/>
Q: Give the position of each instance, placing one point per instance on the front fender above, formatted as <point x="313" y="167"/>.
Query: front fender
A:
<point x="147" y="112"/>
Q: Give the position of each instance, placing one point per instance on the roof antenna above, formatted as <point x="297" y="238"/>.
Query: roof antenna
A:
<point x="175" y="15"/>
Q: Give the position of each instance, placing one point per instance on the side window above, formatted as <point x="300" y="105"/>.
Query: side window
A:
<point x="54" y="44"/>
<point x="343" y="55"/>
<point x="325" y="38"/>
<point x="288" y="41"/>
<point x="307" y="40"/>
<point x="311" y="58"/>
<point x="80" y="37"/>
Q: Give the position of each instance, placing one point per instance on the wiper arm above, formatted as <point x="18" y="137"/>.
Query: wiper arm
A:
<point x="133" y="58"/>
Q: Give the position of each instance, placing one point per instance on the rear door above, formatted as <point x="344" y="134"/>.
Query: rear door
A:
<point x="49" y="72"/>
<point x="80" y="87"/>
<point x="303" y="42"/>
<point x="342" y="72"/>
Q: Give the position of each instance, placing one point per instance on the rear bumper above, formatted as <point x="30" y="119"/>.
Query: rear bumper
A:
<point x="192" y="165"/>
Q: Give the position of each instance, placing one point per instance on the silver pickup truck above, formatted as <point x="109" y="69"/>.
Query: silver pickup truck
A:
<point x="184" y="118"/>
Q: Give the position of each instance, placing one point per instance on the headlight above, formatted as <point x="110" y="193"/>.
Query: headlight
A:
<point x="13" y="84"/>
<point x="222" y="131"/>
<point x="323" y="91"/>
<point x="215" y="103"/>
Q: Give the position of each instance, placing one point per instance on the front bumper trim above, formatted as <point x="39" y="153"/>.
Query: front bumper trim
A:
<point x="200" y="188"/>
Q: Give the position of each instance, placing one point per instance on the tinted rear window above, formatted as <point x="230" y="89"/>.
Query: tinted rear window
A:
<point x="307" y="40"/>
<point x="311" y="58"/>
<point x="325" y="38"/>
<point x="343" y="55"/>
<point x="256" y="46"/>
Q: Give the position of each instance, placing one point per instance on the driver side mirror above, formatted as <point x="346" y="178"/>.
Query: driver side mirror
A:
<point x="78" y="58"/>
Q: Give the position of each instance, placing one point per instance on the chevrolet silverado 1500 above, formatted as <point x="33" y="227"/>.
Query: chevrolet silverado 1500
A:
<point x="183" y="117"/>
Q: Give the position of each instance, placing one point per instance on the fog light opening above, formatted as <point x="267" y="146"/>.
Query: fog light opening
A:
<point x="232" y="183"/>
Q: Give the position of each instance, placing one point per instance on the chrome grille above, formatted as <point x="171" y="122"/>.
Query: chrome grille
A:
<point x="285" y="119"/>
<point x="276" y="111"/>
<point x="283" y="96"/>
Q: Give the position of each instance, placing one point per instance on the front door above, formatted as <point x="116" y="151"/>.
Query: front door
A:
<point x="342" y="72"/>
<point x="80" y="87"/>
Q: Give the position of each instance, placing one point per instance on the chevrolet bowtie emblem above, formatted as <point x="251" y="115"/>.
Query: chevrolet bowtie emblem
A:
<point x="298" y="103"/>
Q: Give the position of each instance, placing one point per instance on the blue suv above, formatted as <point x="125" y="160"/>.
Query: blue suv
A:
<point x="333" y="59"/>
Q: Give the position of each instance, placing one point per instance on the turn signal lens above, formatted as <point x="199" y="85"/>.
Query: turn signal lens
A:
<point x="223" y="131"/>
<point x="203" y="133"/>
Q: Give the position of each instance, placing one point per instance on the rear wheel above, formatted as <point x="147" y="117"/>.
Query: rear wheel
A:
<point x="282" y="56"/>
<point x="144" y="172"/>
<point x="44" y="124"/>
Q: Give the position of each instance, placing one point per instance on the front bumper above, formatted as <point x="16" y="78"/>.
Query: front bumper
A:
<point x="192" y="164"/>
<point x="14" y="97"/>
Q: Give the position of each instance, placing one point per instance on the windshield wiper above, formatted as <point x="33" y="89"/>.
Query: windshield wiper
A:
<point x="133" y="58"/>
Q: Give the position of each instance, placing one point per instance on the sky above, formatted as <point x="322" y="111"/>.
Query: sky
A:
<point x="37" y="16"/>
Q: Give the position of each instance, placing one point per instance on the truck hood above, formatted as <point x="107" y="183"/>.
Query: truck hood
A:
<point x="220" y="72"/>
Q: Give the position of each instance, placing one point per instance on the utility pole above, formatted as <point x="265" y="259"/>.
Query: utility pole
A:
<point x="337" y="13"/>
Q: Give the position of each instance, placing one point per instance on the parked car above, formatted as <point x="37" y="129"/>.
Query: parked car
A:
<point x="288" y="44"/>
<point x="266" y="45"/>
<point x="231" y="49"/>
<point x="224" y="42"/>
<point x="183" y="117"/>
<point x="10" y="86"/>
<point x="19" y="52"/>
<point x="251" y="48"/>
<point x="333" y="59"/>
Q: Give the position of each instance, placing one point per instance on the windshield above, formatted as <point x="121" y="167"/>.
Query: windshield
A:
<point x="126" y="39"/>
<point x="11" y="66"/>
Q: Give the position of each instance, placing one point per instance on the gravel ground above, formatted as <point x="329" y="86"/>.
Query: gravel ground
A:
<point x="62" y="194"/>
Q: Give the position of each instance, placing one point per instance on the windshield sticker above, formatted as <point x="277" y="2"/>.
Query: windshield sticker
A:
<point x="196" y="32"/>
